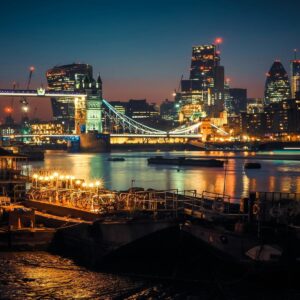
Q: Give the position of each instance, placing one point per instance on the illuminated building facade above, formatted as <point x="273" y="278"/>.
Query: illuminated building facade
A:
<point x="253" y="123"/>
<point x="279" y="120"/>
<point x="255" y="105"/>
<point x="277" y="87"/>
<point x="47" y="128"/>
<point x="71" y="77"/>
<point x="295" y="79"/>
<point x="203" y="93"/>
<point x="119" y="106"/>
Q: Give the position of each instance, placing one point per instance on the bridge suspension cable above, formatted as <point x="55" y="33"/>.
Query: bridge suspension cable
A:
<point x="186" y="130"/>
<point x="132" y="124"/>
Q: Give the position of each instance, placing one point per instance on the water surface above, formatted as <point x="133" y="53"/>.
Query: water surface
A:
<point x="275" y="175"/>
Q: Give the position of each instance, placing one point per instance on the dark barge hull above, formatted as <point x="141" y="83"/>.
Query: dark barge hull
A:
<point x="27" y="239"/>
<point x="230" y="248"/>
<point x="213" y="163"/>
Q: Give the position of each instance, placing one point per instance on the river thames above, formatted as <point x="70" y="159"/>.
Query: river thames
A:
<point x="43" y="275"/>
<point x="275" y="175"/>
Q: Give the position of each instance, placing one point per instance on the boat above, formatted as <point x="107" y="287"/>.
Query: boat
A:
<point x="182" y="161"/>
<point x="252" y="165"/>
<point x="30" y="152"/>
<point x="116" y="159"/>
<point x="12" y="176"/>
<point x="19" y="231"/>
<point x="261" y="233"/>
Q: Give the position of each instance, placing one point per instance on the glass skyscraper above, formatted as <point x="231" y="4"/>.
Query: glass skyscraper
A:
<point x="277" y="87"/>
<point x="67" y="78"/>
<point x="295" y="78"/>
<point x="203" y="93"/>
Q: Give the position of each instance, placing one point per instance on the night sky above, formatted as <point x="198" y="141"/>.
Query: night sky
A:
<point x="141" y="48"/>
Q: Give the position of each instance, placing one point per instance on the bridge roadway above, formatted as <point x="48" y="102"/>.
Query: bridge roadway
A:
<point x="39" y="93"/>
<point x="115" y="135"/>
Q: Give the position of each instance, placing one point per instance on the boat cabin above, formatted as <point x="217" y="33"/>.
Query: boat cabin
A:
<point x="12" y="176"/>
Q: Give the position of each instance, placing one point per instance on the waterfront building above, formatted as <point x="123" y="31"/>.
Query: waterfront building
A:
<point x="238" y="98"/>
<point x="295" y="78"/>
<point x="277" y="87"/>
<point x="10" y="129"/>
<point x="253" y="124"/>
<point x="280" y="120"/>
<point x="283" y="118"/>
<point x="203" y="93"/>
<point x="255" y="105"/>
<point x="47" y="128"/>
<point x="234" y="125"/>
<point x="73" y="77"/>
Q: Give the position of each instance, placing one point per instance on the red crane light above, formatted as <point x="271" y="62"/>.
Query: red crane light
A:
<point x="218" y="41"/>
<point x="8" y="110"/>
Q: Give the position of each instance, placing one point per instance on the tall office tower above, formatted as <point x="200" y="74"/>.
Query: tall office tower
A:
<point x="71" y="78"/>
<point x="295" y="78"/>
<point x="204" y="60"/>
<point x="277" y="87"/>
<point x="203" y="93"/>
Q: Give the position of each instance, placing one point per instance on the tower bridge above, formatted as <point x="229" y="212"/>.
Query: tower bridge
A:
<point x="95" y="116"/>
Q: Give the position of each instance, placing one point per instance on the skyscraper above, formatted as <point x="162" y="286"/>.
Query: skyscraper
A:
<point x="277" y="87"/>
<point x="204" y="60"/>
<point x="295" y="78"/>
<point x="203" y="93"/>
<point x="67" y="78"/>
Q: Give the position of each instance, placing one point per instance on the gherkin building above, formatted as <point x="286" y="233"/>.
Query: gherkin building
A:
<point x="277" y="86"/>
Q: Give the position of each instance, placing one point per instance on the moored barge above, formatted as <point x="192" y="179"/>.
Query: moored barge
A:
<point x="182" y="161"/>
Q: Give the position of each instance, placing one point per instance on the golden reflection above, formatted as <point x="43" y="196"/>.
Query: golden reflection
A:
<point x="297" y="185"/>
<point x="274" y="175"/>
<point x="272" y="184"/>
<point x="246" y="188"/>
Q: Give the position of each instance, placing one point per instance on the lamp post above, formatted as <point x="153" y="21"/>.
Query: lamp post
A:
<point x="35" y="177"/>
<point x="71" y="181"/>
<point x="132" y="182"/>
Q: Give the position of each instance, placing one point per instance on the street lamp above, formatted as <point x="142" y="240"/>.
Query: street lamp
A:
<point x="35" y="177"/>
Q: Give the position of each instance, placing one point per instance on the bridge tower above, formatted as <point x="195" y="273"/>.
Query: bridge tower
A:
<point x="88" y="117"/>
<point x="93" y="106"/>
<point x="80" y="114"/>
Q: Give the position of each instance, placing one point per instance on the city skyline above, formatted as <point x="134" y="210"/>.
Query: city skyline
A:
<point x="140" y="49"/>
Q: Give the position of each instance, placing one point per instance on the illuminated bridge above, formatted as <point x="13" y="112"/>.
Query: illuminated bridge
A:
<point x="94" y="114"/>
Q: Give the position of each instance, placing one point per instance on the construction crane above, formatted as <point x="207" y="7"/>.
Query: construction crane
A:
<point x="23" y="100"/>
<point x="179" y="86"/>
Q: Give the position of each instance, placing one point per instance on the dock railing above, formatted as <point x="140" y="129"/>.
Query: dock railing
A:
<point x="164" y="201"/>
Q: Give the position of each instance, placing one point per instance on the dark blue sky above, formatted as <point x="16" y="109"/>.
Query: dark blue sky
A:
<point x="141" y="48"/>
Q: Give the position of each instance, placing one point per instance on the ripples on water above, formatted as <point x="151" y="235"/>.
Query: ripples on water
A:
<point x="275" y="175"/>
<point x="40" y="275"/>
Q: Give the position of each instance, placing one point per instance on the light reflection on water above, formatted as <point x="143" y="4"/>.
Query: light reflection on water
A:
<point x="275" y="175"/>
<point x="40" y="275"/>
